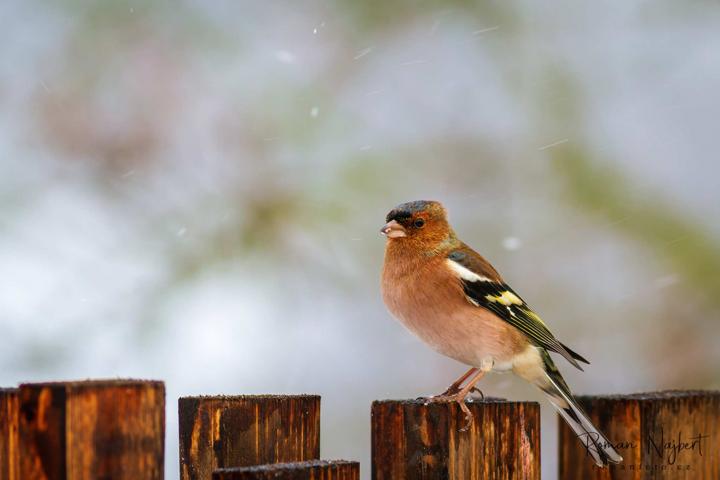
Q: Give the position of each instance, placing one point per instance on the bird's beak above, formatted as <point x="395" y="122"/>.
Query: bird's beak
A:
<point x="393" y="229"/>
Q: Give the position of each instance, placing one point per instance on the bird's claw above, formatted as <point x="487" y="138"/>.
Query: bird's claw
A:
<point x="442" y="398"/>
<point x="477" y="390"/>
<point x="468" y="423"/>
<point x="456" y="399"/>
<point x="468" y="416"/>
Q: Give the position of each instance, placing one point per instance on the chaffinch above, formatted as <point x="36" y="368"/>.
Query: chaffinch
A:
<point x="454" y="300"/>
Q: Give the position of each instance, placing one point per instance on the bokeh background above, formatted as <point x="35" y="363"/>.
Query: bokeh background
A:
<point x="192" y="191"/>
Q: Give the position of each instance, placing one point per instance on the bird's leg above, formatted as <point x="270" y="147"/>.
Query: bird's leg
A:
<point x="461" y="395"/>
<point x="459" y="398"/>
<point x="455" y="387"/>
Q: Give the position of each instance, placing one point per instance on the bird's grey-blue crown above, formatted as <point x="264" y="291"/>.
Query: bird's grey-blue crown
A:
<point x="406" y="210"/>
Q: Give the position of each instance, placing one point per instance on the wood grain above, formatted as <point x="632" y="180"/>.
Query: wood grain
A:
<point x="413" y="441"/>
<point x="661" y="435"/>
<point x="239" y="431"/>
<point x="311" y="470"/>
<point x="101" y="429"/>
<point x="9" y="457"/>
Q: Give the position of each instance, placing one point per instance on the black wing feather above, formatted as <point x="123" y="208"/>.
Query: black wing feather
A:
<point x="485" y="294"/>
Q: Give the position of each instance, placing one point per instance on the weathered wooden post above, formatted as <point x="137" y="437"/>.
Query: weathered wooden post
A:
<point x="412" y="440"/>
<point x="92" y="429"/>
<point x="311" y="470"/>
<point x="9" y="458"/>
<point x="238" y="431"/>
<point x="662" y="435"/>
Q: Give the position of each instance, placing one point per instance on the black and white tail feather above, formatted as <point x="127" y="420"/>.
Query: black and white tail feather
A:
<point x="596" y="444"/>
<point x="484" y="288"/>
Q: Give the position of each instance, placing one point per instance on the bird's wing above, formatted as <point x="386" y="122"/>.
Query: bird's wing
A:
<point x="485" y="288"/>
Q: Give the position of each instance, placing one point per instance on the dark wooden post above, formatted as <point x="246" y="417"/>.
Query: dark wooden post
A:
<point x="239" y="431"/>
<point x="9" y="459"/>
<point x="92" y="430"/>
<point x="312" y="470"/>
<point x="663" y="435"/>
<point x="413" y="440"/>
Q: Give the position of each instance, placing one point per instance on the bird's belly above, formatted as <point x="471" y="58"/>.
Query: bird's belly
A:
<point x="468" y="335"/>
<point x="431" y="303"/>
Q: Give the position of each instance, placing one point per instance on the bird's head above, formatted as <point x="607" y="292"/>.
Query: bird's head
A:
<point x="421" y="223"/>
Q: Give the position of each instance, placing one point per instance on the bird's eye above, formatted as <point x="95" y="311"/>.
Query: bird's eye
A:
<point x="419" y="223"/>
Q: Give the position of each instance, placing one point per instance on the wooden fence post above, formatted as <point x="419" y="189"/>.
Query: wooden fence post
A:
<point x="92" y="430"/>
<point x="239" y="431"/>
<point x="9" y="458"/>
<point x="662" y="435"/>
<point x="412" y="440"/>
<point x="311" y="470"/>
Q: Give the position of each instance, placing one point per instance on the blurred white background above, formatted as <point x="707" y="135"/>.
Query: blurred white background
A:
<point x="192" y="191"/>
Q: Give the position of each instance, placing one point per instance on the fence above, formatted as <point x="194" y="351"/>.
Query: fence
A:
<point x="115" y="429"/>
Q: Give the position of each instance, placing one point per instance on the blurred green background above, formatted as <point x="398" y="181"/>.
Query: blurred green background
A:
<point x="192" y="191"/>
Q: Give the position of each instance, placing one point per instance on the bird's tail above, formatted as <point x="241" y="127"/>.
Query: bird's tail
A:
<point x="596" y="444"/>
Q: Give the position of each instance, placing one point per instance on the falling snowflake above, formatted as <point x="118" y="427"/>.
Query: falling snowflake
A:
<point x="511" y="243"/>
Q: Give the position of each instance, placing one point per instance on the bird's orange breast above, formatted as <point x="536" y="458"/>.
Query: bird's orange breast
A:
<point x="428" y="299"/>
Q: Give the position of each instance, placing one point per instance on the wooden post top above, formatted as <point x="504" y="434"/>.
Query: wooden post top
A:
<point x="92" y="429"/>
<point x="425" y="402"/>
<point x="309" y="470"/>
<point x="247" y="398"/>
<point x="672" y="434"/>
<point x="219" y="431"/>
<point x="271" y="467"/>
<point x="662" y="395"/>
<point x="417" y="440"/>
<point x="96" y="384"/>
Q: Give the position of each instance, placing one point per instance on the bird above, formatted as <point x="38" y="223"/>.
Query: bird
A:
<point x="454" y="300"/>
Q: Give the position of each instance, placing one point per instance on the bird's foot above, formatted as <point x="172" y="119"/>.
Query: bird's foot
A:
<point x="454" y="391"/>
<point x="442" y="398"/>
<point x="458" y="395"/>
<point x="458" y="398"/>
<point x="456" y="387"/>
